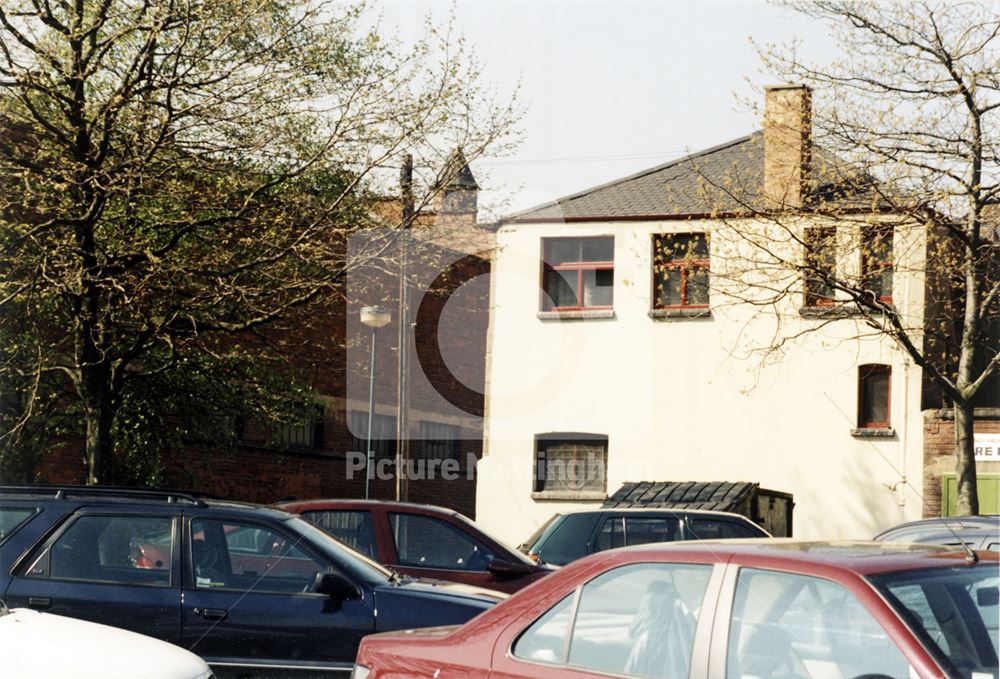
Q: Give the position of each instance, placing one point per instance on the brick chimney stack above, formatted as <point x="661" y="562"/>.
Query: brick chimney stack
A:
<point x="787" y="145"/>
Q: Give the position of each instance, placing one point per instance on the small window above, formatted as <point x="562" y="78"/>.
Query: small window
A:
<point x="578" y="273"/>
<point x="787" y="625"/>
<point x="355" y="529"/>
<point x="876" y="263"/>
<point x="820" y="266"/>
<point x="438" y="441"/>
<point x="571" y="464"/>
<point x="680" y="271"/>
<point x="245" y="557"/>
<point x="427" y="542"/>
<point x="874" y="396"/>
<point x="128" y="550"/>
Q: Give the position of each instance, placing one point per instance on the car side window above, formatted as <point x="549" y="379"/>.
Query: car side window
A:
<point x="714" y="529"/>
<point x="235" y="555"/>
<point x="354" y="528"/>
<point x="633" y="530"/>
<point x="545" y="640"/>
<point x="636" y="621"/>
<point x="795" y="625"/>
<point x="427" y="542"/>
<point x="11" y="519"/>
<point x="132" y="550"/>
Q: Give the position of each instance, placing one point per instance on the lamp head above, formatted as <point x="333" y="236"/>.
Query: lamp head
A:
<point x="375" y="316"/>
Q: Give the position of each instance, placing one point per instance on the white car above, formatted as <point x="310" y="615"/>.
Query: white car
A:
<point x="36" y="645"/>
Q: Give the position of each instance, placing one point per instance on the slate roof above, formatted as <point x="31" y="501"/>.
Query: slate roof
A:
<point x="717" y="495"/>
<point x="723" y="179"/>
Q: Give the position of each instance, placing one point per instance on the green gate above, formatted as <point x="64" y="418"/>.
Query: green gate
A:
<point x="989" y="493"/>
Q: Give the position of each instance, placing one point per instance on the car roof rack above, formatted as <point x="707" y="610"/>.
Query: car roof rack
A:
<point x="114" y="493"/>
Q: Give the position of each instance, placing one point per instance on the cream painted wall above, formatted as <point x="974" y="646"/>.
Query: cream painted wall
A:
<point x="687" y="399"/>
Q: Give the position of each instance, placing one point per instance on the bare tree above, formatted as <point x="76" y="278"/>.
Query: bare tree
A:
<point x="176" y="174"/>
<point x="899" y="184"/>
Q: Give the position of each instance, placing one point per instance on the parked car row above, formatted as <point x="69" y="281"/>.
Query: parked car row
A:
<point x="259" y="591"/>
<point x="247" y="588"/>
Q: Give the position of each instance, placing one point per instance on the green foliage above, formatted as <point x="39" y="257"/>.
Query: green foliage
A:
<point x="177" y="175"/>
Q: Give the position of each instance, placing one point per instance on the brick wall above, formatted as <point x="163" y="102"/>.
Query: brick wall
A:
<point x="939" y="452"/>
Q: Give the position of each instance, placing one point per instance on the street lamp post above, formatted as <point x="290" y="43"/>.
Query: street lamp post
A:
<point x="374" y="317"/>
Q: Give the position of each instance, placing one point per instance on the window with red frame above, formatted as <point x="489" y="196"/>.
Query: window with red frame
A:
<point x="820" y="266"/>
<point x="680" y="270"/>
<point x="874" y="396"/>
<point x="578" y="273"/>
<point x="876" y="263"/>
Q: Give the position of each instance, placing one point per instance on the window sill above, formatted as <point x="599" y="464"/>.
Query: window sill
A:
<point x="874" y="433"/>
<point x="595" y="495"/>
<point x="582" y="315"/>
<point x="680" y="314"/>
<point x="828" y="311"/>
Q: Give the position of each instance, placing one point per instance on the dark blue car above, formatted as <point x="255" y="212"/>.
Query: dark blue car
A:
<point x="250" y="589"/>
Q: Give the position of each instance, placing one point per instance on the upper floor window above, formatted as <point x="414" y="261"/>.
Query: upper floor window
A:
<point x="874" y="396"/>
<point x="820" y="266"/>
<point x="680" y="270"/>
<point x="876" y="263"/>
<point x="578" y="273"/>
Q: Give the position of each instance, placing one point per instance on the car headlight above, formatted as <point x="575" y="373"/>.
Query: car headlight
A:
<point x="360" y="672"/>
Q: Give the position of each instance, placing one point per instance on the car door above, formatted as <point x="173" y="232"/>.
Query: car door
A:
<point x="775" y="624"/>
<point x="113" y="566"/>
<point x="635" y="620"/>
<point x="249" y="598"/>
<point x="430" y="547"/>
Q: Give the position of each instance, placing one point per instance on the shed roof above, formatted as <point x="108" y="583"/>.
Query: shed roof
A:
<point x="716" y="495"/>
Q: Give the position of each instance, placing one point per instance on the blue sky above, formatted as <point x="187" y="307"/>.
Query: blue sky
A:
<point x="613" y="86"/>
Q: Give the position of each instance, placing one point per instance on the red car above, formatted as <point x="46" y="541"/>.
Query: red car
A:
<point x="423" y="541"/>
<point x="778" y="609"/>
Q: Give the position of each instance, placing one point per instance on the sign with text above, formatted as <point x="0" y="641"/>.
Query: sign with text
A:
<point x="987" y="447"/>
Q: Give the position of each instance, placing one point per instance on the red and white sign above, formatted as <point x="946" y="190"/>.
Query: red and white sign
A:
<point x="987" y="447"/>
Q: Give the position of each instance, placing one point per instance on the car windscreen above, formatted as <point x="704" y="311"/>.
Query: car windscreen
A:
<point x="473" y="529"/>
<point x="356" y="564"/>
<point x="533" y="540"/>
<point x="567" y="539"/>
<point x="954" y="611"/>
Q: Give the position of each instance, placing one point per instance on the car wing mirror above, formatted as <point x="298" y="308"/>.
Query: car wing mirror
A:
<point x="509" y="569"/>
<point x="336" y="586"/>
<point x="988" y="596"/>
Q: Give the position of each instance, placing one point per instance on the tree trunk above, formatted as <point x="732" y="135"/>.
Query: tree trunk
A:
<point x="967" y="498"/>
<point x="99" y="415"/>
